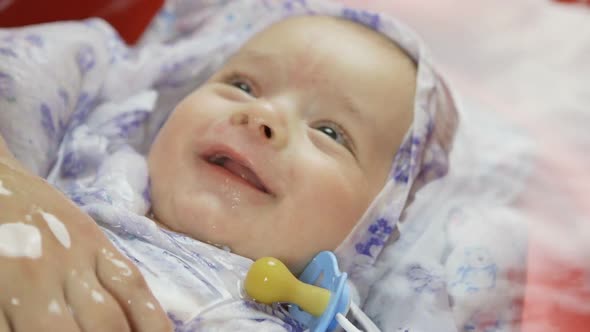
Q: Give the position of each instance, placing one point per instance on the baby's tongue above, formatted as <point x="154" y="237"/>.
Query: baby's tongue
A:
<point x="243" y="172"/>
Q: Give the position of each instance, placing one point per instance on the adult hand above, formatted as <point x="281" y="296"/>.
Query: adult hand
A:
<point x="58" y="270"/>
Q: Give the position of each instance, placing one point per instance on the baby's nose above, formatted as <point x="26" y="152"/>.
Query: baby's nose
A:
<point x="263" y="121"/>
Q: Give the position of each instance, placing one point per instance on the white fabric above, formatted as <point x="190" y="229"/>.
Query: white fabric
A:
<point x="453" y="264"/>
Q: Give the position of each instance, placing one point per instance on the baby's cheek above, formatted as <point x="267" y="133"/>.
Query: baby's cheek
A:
<point x="348" y="206"/>
<point x="334" y="221"/>
<point x="338" y="201"/>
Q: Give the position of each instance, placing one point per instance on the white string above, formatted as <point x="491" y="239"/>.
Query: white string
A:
<point x="365" y="321"/>
<point x="360" y="316"/>
<point x="346" y="324"/>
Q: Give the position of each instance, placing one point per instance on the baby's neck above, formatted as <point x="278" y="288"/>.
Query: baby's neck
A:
<point x="153" y="218"/>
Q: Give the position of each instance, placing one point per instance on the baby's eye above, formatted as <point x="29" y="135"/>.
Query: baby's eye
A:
<point x="336" y="133"/>
<point x="242" y="86"/>
<point x="332" y="133"/>
<point x="242" y="82"/>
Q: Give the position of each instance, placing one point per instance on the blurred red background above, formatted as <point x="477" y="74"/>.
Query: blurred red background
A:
<point x="129" y="17"/>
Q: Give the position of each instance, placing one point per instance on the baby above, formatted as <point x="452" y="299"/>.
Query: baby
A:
<point x="288" y="143"/>
<point x="279" y="153"/>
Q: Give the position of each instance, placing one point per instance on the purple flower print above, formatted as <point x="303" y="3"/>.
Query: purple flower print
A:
<point x="7" y="88"/>
<point x="371" y="20"/>
<point x="86" y="59"/>
<point x="380" y="230"/>
<point x="5" y="51"/>
<point x="34" y="39"/>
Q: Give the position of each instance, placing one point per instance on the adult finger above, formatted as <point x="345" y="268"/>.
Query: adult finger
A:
<point x="93" y="308"/>
<point x="124" y="281"/>
<point x="38" y="312"/>
<point x="4" y="323"/>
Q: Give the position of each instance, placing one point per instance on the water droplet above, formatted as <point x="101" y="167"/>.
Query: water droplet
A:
<point x="235" y="200"/>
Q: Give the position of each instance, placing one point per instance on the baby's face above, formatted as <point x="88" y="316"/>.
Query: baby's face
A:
<point x="282" y="150"/>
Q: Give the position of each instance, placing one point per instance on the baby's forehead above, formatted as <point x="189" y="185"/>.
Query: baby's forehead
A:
<point x="310" y="30"/>
<point x="303" y="42"/>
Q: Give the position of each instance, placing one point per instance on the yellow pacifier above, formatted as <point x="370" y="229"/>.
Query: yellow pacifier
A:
<point x="269" y="281"/>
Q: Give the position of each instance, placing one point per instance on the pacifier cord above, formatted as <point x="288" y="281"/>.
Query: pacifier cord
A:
<point x="360" y="316"/>
<point x="346" y="324"/>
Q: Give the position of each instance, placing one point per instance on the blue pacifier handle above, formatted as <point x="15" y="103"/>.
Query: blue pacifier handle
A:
<point x="323" y="271"/>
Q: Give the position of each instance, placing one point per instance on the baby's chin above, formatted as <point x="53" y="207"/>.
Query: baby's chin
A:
<point x="205" y="217"/>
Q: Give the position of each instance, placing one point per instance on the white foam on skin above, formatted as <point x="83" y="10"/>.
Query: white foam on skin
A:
<point x="96" y="296"/>
<point x="4" y="191"/>
<point x="58" y="229"/>
<point x="20" y="240"/>
<point x="54" y="307"/>
<point x="125" y="270"/>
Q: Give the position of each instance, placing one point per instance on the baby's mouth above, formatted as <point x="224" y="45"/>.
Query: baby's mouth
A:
<point x="238" y="169"/>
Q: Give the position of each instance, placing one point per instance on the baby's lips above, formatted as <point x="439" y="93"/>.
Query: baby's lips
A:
<point x="222" y="160"/>
<point x="241" y="164"/>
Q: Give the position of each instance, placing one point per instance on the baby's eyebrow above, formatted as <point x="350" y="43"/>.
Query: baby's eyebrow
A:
<point x="258" y="58"/>
<point x="352" y="107"/>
